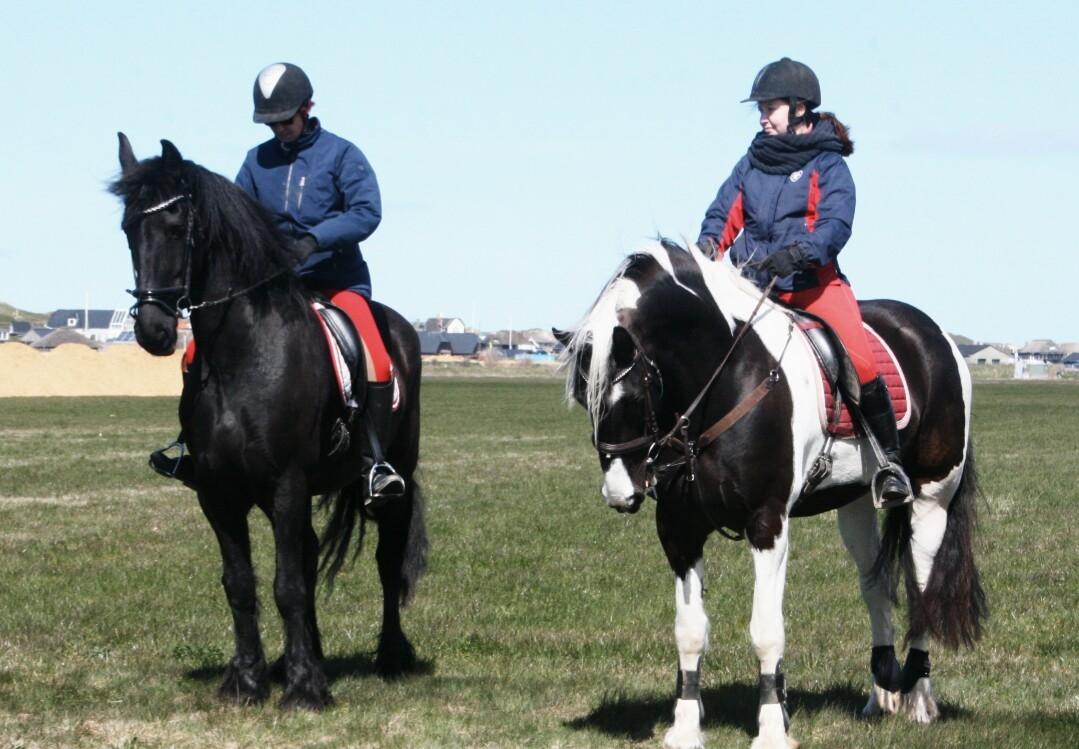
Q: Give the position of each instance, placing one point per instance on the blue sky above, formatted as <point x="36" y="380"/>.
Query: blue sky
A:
<point x="524" y="148"/>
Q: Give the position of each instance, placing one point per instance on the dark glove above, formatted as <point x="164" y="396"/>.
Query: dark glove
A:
<point x="303" y="247"/>
<point x="784" y="262"/>
<point x="708" y="246"/>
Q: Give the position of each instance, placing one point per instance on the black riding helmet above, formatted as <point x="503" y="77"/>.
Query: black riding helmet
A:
<point x="786" y="79"/>
<point x="280" y="90"/>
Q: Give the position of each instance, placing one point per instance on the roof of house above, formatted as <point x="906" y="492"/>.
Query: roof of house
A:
<point x="1038" y="346"/>
<point x="968" y="349"/>
<point x="61" y="336"/>
<point x="21" y="327"/>
<point x="461" y="344"/>
<point x="99" y="318"/>
<point x="438" y="324"/>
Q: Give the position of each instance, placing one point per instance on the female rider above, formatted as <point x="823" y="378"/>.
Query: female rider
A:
<point x="322" y="193"/>
<point x="785" y="213"/>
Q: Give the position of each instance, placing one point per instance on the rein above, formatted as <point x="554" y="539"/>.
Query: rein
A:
<point x="176" y="300"/>
<point x="678" y="438"/>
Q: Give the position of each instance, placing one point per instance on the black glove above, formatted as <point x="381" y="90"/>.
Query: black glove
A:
<point x="784" y="262"/>
<point x="303" y="247"/>
<point x="708" y="246"/>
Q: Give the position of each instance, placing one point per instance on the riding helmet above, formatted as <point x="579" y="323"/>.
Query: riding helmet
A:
<point x="280" y="90"/>
<point x="786" y="79"/>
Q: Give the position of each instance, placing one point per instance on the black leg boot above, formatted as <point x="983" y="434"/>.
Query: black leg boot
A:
<point x="877" y="408"/>
<point x="383" y="482"/>
<point x="178" y="466"/>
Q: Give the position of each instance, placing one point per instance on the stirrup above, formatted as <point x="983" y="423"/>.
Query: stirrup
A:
<point x="895" y="498"/>
<point x="383" y="484"/>
<point x="178" y="467"/>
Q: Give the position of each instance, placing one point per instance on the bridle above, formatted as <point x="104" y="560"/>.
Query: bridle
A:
<point x="679" y="438"/>
<point x="176" y="300"/>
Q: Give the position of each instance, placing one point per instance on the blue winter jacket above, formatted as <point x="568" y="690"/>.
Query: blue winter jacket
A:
<point x="320" y="185"/>
<point x="812" y="207"/>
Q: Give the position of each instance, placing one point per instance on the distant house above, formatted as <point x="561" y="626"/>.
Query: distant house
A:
<point x="980" y="353"/>
<point x="15" y="330"/>
<point x="1071" y="361"/>
<point x="101" y="324"/>
<point x="1041" y="350"/>
<point x="455" y="344"/>
<point x="444" y="325"/>
<point x="64" y="335"/>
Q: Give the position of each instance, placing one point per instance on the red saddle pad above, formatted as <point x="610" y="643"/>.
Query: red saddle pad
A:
<point x="889" y="369"/>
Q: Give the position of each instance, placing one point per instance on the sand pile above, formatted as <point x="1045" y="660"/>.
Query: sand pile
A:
<point x="74" y="369"/>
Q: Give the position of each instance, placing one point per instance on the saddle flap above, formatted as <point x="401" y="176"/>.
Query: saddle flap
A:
<point x="831" y="353"/>
<point x="345" y="343"/>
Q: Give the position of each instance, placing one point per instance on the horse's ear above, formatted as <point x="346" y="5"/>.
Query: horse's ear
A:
<point x="562" y="336"/>
<point x="623" y="349"/>
<point x="127" y="156"/>
<point x="171" y="158"/>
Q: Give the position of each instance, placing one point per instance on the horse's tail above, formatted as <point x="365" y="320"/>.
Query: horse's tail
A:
<point x="336" y="548"/>
<point x="414" y="563"/>
<point x="345" y="508"/>
<point x="954" y="605"/>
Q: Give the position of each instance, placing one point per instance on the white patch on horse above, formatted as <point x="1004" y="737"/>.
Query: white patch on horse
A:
<point x="858" y="528"/>
<point x="663" y="257"/>
<point x="269" y="77"/>
<point x="691" y="637"/>
<point x="919" y="704"/>
<point x="617" y="487"/>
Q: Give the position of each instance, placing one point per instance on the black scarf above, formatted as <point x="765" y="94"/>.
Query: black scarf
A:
<point x="783" y="154"/>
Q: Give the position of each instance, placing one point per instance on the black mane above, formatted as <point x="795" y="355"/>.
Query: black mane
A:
<point x="228" y="221"/>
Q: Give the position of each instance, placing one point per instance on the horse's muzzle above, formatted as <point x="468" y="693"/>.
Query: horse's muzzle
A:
<point x="628" y="504"/>
<point x="155" y="331"/>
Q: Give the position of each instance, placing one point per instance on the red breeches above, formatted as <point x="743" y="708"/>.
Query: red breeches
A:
<point x="834" y="303"/>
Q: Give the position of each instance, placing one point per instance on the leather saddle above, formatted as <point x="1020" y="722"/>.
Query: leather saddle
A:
<point x="831" y="354"/>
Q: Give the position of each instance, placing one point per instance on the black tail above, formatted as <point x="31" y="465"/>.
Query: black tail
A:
<point x="345" y="509"/>
<point x="414" y="564"/>
<point x="336" y="548"/>
<point x="954" y="604"/>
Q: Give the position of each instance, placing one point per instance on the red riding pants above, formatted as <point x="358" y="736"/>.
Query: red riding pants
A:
<point x="358" y="309"/>
<point x="834" y="303"/>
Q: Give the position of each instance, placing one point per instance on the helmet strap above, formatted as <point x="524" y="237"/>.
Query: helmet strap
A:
<point x="793" y="121"/>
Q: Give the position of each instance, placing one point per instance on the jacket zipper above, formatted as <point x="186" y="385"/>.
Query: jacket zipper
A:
<point x="299" y="198"/>
<point x="288" y="183"/>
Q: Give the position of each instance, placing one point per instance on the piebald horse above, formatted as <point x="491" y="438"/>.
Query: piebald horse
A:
<point x="703" y="393"/>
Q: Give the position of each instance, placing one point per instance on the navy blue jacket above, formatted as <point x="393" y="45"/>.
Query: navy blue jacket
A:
<point x="812" y="207"/>
<point x="320" y="185"/>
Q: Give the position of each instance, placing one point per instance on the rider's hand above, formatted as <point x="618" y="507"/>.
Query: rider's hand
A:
<point x="303" y="247"/>
<point x="784" y="262"/>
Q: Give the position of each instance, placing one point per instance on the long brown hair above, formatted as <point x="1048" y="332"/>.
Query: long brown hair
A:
<point x="841" y="131"/>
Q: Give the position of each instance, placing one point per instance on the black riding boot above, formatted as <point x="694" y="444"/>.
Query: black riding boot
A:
<point x="180" y="467"/>
<point x="876" y="405"/>
<point x="383" y="482"/>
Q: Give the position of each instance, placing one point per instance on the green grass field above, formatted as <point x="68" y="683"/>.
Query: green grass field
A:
<point x="545" y="620"/>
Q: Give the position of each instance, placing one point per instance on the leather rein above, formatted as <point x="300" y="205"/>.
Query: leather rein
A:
<point x="176" y="300"/>
<point x="678" y="438"/>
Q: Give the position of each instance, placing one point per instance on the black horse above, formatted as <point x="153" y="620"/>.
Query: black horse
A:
<point x="259" y="409"/>
<point x="705" y="394"/>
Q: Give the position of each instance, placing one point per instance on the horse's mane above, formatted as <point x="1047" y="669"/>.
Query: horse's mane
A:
<point x="695" y="278"/>
<point x="228" y="220"/>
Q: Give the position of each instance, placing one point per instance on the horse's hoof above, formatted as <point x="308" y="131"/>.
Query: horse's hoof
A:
<point x="306" y="697"/>
<point x="919" y="704"/>
<point x="396" y="656"/>
<point x="244" y="686"/>
<point x="881" y="702"/>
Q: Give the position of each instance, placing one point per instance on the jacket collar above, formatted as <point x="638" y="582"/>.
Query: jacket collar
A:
<point x="310" y="134"/>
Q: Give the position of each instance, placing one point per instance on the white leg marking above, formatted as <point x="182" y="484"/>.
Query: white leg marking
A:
<point x="766" y="631"/>
<point x="919" y="704"/>
<point x="691" y="637"/>
<point x="858" y="528"/>
<point x="881" y="702"/>
<point x="617" y="487"/>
